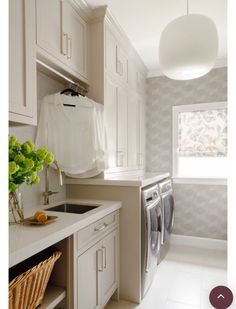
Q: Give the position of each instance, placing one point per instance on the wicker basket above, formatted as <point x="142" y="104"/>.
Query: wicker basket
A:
<point x="27" y="290"/>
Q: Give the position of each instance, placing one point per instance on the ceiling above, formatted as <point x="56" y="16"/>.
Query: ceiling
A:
<point x="144" y="20"/>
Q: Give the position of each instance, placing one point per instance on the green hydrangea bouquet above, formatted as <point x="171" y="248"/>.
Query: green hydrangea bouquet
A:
<point x="25" y="162"/>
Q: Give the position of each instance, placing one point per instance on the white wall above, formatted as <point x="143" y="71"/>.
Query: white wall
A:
<point x="32" y="195"/>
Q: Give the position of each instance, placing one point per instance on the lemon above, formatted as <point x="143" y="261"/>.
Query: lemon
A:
<point x="40" y="216"/>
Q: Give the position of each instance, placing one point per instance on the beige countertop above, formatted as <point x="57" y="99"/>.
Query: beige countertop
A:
<point x="27" y="240"/>
<point x="140" y="180"/>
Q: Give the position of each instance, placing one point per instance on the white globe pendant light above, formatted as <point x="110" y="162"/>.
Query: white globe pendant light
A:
<point x="188" y="47"/>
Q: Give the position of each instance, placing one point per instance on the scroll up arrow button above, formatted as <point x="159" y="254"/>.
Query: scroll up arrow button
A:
<point x="221" y="297"/>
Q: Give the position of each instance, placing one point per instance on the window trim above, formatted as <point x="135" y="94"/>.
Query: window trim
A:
<point x="189" y="108"/>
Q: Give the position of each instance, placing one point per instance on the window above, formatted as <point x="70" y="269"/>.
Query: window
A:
<point x="200" y="140"/>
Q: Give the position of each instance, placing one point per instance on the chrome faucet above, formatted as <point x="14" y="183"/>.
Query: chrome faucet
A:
<point x="48" y="192"/>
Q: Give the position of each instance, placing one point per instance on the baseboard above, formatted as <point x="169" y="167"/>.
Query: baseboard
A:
<point x="198" y="242"/>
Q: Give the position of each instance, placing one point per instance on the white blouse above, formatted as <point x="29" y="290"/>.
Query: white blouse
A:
<point x="75" y="134"/>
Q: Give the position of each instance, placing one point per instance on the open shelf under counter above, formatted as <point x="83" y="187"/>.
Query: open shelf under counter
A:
<point x="53" y="296"/>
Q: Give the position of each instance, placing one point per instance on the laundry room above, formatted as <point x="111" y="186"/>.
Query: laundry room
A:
<point x="118" y="152"/>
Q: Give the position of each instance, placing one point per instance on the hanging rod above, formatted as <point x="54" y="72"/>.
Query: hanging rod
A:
<point x="71" y="81"/>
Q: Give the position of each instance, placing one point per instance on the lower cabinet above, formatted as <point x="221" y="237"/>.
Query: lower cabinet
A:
<point x="109" y="276"/>
<point x="97" y="270"/>
<point x="89" y="278"/>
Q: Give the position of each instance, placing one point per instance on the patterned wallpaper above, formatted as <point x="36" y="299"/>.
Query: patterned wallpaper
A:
<point x="201" y="210"/>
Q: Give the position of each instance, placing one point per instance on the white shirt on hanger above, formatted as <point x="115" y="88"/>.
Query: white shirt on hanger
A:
<point x="75" y="134"/>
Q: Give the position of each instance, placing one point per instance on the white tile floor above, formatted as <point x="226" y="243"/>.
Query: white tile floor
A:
<point x="183" y="280"/>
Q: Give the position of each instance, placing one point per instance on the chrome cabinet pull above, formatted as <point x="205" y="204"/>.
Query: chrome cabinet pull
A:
<point x="69" y="48"/>
<point x="100" y="260"/>
<point x="101" y="227"/>
<point x="65" y="44"/>
<point x="104" y="257"/>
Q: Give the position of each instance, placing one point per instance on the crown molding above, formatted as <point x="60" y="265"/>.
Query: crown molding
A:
<point x="84" y="9"/>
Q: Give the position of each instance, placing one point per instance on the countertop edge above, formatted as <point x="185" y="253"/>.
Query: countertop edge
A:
<point x="116" y="181"/>
<point x="21" y="254"/>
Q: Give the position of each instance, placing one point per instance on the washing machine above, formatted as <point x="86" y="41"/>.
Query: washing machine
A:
<point x="151" y="235"/>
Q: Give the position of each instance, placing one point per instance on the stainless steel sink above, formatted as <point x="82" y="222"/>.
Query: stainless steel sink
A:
<point x="72" y="208"/>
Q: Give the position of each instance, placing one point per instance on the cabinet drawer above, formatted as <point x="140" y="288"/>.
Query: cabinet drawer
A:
<point x="96" y="229"/>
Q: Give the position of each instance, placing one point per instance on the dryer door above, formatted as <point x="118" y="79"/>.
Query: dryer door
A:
<point x="168" y="215"/>
<point x="153" y="225"/>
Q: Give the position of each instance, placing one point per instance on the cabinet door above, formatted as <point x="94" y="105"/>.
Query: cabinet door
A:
<point x="142" y="132"/>
<point x="133" y="131"/>
<point x="122" y="65"/>
<point x="122" y="101"/>
<point x="49" y="28"/>
<point x="110" y="266"/>
<point x="132" y="74"/>
<point x="90" y="266"/>
<point x="110" y="110"/>
<point x="22" y="62"/>
<point x="111" y="50"/>
<point x="75" y="29"/>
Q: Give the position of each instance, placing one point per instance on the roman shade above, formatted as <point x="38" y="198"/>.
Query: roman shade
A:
<point x="202" y="133"/>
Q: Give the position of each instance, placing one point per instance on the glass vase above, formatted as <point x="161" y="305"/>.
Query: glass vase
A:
<point x="16" y="211"/>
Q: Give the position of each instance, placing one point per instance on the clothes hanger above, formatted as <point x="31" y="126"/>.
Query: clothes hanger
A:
<point x="72" y="92"/>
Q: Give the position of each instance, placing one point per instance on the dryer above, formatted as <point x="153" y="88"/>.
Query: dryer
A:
<point x="167" y="214"/>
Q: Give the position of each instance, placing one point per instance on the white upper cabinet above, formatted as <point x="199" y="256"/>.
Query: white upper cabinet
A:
<point x="122" y="77"/>
<point x="116" y="105"/>
<point x="49" y="34"/>
<point x="62" y="37"/>
<point x="22" y="64"/>
<point x="137" y="80"/>
<point x="121" y="128"/>
<point x="142" y="132"/>
<point x="111" y="121"/>
<point x="133" y="132"/>
<point x="122" y="64"/>
<point x="74" y="30"/>
<point x="116" y="59"/>
<point x="111" y="47"/>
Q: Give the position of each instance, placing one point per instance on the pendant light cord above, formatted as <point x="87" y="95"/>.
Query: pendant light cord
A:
<point x="187" y="7"/>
